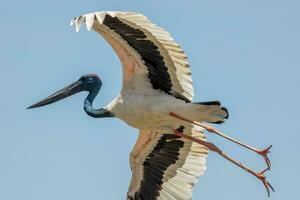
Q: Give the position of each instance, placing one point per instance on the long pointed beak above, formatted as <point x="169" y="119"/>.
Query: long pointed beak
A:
<point x="59" y="95"/>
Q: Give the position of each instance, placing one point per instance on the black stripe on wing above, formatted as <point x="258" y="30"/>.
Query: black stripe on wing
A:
<point x="164" y="154"/>
<point x="157" y="69"/>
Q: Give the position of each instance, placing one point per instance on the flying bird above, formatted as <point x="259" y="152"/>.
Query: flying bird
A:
<point x="156" y="98"/>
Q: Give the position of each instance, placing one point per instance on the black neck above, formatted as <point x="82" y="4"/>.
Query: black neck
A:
<point x="96" y="113"/>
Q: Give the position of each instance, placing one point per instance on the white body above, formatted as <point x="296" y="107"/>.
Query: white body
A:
<point x="151" y="112"/>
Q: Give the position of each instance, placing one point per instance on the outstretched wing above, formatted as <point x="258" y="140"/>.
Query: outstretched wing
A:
<point x="165" y="166"/>
<point x="152" y="61"/>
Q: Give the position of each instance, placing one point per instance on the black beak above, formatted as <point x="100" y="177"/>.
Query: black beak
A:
<point x="59" y="95"/>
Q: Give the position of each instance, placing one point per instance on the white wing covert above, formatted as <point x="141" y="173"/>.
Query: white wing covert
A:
<point x="150" y="57"/>
<point x="165" y="166"/>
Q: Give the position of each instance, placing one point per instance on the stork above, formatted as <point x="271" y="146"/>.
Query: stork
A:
<point x="156" y="98"/>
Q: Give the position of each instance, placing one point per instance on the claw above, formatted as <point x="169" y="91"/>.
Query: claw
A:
<point x="263" y="179"/>
<point x="264" y="154"/>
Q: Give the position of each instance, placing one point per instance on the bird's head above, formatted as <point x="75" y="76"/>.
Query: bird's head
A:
<point x="89" y="82"/>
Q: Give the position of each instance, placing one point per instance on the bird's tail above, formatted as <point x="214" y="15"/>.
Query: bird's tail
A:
<point x="210" y="111"/>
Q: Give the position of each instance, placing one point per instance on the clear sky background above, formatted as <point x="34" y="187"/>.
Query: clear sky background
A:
<point x="243" y="53"/>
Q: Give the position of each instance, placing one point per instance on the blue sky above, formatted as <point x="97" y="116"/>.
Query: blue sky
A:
<point x="243" y="53"/>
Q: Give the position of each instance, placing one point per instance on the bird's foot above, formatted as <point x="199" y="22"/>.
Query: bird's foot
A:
<point x="261" y="176"/>
<point x="264" y="154"/>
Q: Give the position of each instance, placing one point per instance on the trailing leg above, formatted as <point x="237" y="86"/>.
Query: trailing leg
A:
<point x="263" y="153"/>
<point x="214" y="148"/>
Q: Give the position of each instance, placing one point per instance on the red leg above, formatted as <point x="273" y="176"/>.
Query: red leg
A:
<point x="263" y="153"/>
<point x="214" y="148"/>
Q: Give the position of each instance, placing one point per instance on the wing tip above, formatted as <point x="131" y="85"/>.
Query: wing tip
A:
<point x="89" y="18"/>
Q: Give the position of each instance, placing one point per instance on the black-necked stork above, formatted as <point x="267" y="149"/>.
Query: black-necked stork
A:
<point x="156" y="98"/>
